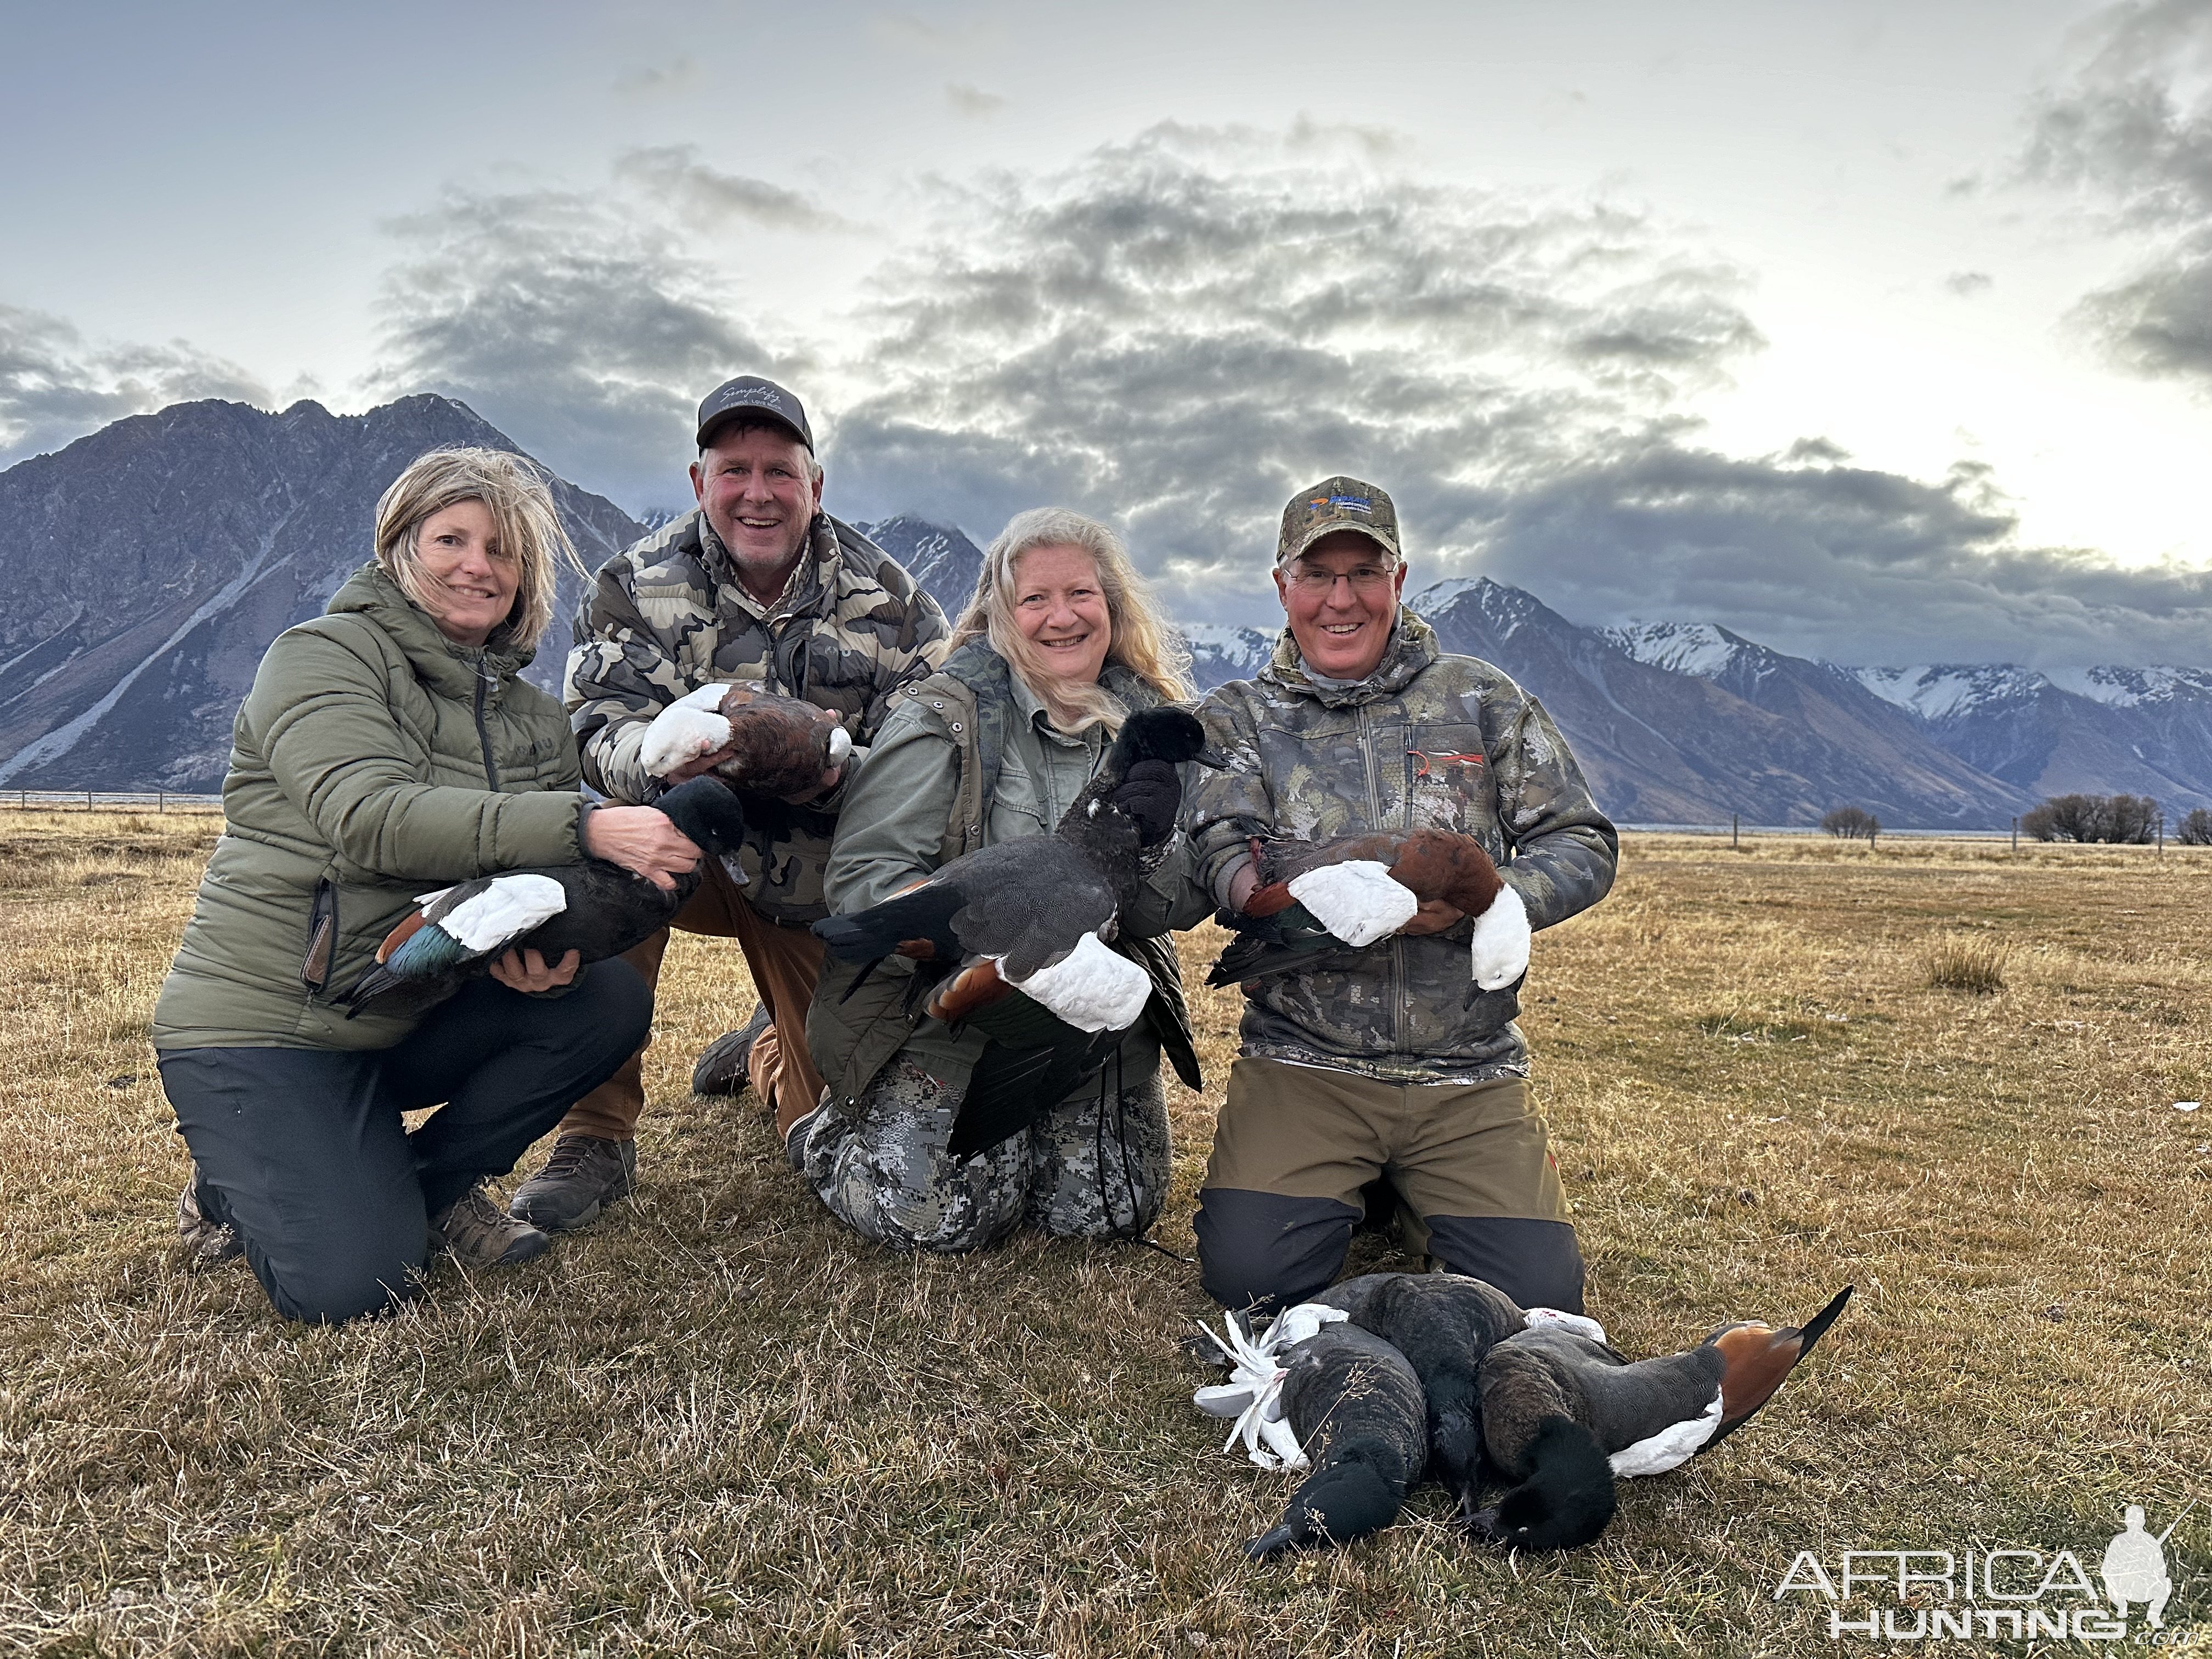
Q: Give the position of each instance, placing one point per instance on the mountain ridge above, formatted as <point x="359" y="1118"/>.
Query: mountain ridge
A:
<point x="217" y="526"/>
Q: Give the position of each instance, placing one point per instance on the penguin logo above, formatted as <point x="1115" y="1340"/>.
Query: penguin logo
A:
<point x="2133" y="1569"/>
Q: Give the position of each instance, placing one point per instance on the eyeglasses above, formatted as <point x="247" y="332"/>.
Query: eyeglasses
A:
<point x="1319" y="584"/>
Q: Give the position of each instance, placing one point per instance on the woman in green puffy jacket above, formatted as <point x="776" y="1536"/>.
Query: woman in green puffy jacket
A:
<point x="389" y="747"/>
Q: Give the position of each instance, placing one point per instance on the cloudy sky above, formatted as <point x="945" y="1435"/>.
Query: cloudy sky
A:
<point x="1876" y="331"/>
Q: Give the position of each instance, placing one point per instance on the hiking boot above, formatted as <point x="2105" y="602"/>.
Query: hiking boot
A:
<point x="722" y="1068"/>
<point x="208" y="1243"/>
<point x="583" y="1175"/>
<point x="481" y="1235"/>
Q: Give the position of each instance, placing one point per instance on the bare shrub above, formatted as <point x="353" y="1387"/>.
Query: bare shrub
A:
<point x="1851" y="823"/>
<point x="1968" y="965"/>
<point x="2131" y="819"/>
<point x="2194" y="828"/>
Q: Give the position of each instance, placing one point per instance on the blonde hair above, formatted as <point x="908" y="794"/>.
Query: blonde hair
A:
<point x="1153" y="653"/>
<point x="514" y="490"/>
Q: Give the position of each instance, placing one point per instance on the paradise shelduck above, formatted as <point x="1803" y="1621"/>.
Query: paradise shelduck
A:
<point x="1318" y="897"/>
<point x="1564" y="1413"/>
<point x="1446" y="1325"/>
<point x="1035" y="915"/>
<point x="594" y="908"/>
<point x="1356" y="1405"/>
<point x="761" y="742"/>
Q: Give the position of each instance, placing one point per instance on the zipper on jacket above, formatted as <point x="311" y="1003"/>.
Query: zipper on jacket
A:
<point x="1375" y="818"/>
<point x="483" y="731"/>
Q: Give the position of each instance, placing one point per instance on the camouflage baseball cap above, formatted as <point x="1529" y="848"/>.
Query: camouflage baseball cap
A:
<point x="1334" y="504"/>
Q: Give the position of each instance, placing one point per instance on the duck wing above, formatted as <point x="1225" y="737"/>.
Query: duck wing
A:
<point x="762" y="743"/>
<point x="1012" y="1088"/>
<point x="454" y="934"/>
<point x="1281" y="942"/>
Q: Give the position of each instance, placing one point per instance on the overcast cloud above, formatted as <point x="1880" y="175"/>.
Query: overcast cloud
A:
<point x="55" y="388"/>
<point x="579" y="328"/>
<point x="1178" y="330"/>
<point x="1177" y="337"/>
<point x="2132" y="135"/>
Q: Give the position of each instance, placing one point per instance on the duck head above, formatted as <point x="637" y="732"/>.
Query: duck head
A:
<point x="709" y="812"/>
<point x="1567" y="1500"/>
<point x="1166" y="733"/>
<point x="1336" y="1505"/>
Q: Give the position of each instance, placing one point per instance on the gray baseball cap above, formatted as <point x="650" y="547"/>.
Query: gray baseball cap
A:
<point x="754" y="399"/>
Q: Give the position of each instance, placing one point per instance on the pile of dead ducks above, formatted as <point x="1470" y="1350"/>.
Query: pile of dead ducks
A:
<point x="1389" y="1377"/>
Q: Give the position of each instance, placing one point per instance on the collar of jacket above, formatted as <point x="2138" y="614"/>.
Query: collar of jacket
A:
<point x="812" y="580"/>
<point x="1413" y="648"/>
<point x="447" y="668"/>
<point x="986" y="685"/>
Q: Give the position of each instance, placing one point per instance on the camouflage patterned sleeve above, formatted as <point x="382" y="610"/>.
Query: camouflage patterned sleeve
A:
<point x="1230" y="805"/>
<point x="1565" y="850"/>
<point x="913" y="648"/>
<point x="621" y="674"/>
<point x="910" y="637"/>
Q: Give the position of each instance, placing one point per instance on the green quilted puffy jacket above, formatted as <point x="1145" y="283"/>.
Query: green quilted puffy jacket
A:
<point x="373" y="761"/>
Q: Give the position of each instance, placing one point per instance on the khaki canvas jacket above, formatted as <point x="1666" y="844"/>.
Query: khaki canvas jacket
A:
<point x="373" y="761"/>
<point x="1428" y="739"/>
<point x="961" y="763"/>
<point x="669" y="615"/>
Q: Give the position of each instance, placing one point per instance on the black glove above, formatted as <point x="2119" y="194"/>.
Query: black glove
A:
<point x="1151" y="794"/>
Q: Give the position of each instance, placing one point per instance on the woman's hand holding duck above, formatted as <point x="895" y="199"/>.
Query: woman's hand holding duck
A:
<point x="642" y="841"/>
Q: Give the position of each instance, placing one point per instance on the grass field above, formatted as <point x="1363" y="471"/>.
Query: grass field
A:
<point x="716" y="1422"/>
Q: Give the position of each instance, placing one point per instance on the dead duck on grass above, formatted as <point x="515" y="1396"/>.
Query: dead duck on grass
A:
<point x="1531" y="1396"/>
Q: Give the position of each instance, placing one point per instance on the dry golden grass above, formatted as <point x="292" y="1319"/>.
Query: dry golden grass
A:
<point x="1968" y="965"/>
<point x="718" y="1422"/>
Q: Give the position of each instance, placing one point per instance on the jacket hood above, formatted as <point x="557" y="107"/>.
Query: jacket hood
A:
<point x="1413" y="648"/>
<point x="450" y="668"/>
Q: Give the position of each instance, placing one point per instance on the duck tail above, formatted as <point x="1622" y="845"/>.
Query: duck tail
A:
<point x="1758" y="1360"/>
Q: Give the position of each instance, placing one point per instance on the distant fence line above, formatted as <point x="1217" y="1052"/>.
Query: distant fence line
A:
<point x="88" y="800"/>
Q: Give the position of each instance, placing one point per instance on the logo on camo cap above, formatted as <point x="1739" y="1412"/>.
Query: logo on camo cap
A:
<point x="1337" y="504"/>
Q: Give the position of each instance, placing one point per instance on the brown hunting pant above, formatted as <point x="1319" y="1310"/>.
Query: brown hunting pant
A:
<point x="1296" y="1147"/>
<point x="785" y="963"/>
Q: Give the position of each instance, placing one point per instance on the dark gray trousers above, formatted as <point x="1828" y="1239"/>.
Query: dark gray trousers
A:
<point x="303" y="1150"/>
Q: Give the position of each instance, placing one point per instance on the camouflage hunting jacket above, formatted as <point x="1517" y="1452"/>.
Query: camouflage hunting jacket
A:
<point x="1426" y="740"/>
<point x="669" y="615"/>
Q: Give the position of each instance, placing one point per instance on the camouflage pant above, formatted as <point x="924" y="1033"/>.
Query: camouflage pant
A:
<point x="881" y="1166"/>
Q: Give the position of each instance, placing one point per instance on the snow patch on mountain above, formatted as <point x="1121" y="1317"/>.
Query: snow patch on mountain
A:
<point x="1506" y="610"/>
<point x="1700" y="649"/>
<point x="2126" y="688"/>
<point x="1941" y="691"/>
<point x="1220" y="652"/>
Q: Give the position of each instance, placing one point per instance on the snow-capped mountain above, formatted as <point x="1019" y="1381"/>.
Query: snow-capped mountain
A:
<point x="1221" y="652"/>
<point x="148" y="565"/>
<point x="943" y="561"/>
<point x="217" y="526"/>
<point x="1689" y="723"/>
<point x="2097" y="731"/>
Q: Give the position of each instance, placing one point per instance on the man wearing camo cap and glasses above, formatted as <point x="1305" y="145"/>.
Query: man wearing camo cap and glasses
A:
<point x="758" y="585"/>
<point x="1385" y="1063"/>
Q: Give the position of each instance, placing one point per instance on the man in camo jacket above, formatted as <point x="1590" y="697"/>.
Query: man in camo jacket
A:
<point x="1387" y="1061"/>
<point x="760" y="585"/>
